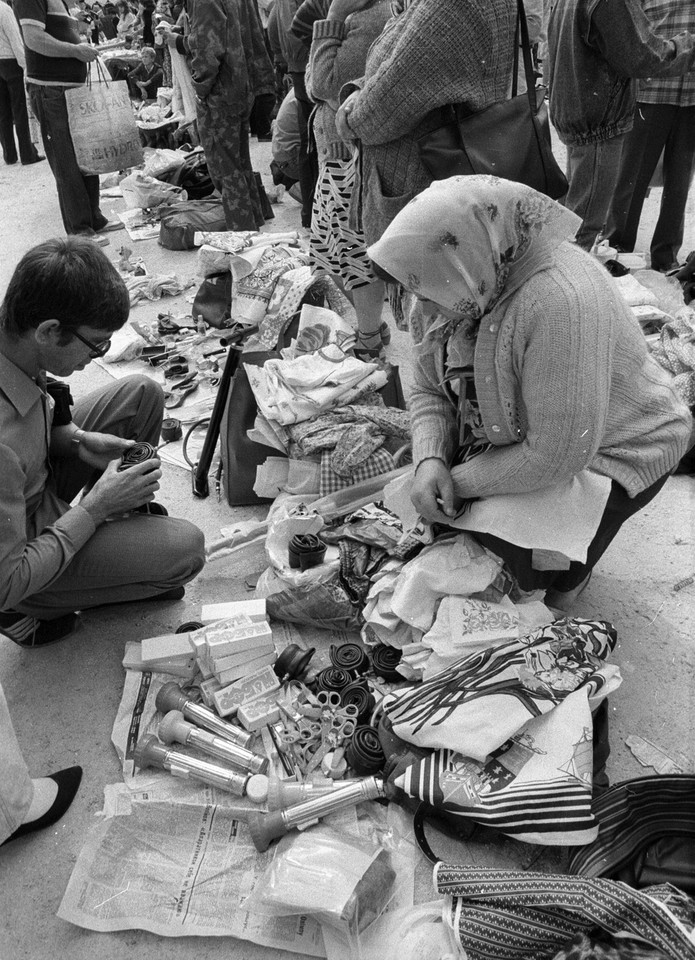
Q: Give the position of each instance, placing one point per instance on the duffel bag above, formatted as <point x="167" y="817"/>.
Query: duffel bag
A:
<point x="179" y="225"/>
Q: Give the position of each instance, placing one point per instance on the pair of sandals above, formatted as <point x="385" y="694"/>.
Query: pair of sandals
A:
<point x="370" y="346"/>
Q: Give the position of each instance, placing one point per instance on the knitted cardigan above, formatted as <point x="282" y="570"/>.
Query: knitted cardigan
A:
<point x="338" y="55"/>
<point x="564" y="382"/>
<point x="437" y="52"/>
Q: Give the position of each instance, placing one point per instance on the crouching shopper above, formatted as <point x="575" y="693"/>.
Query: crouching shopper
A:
<point x="530" y="368"/>
<point x="63" y="302"/>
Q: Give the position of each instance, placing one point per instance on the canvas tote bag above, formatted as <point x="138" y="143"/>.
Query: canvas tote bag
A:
<point x="102" y="126"/>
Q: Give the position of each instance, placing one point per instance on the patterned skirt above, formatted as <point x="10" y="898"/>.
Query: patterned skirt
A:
<point x="335" y="247"/>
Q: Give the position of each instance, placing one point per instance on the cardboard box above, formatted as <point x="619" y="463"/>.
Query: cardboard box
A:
<point x="244" y="669"/>
<point x="235" y="640"/>
<point x="228" y="699"/>
<point x="170" y="646"/>
<point x="259" y="712"/>
<point x="221" y="611"/>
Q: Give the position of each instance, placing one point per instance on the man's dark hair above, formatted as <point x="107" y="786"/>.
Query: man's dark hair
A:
<point x="69" y="280"/>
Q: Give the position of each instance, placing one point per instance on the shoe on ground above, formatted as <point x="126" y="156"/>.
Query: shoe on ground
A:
<point x="153" y="509"/>
<point x="176" y="593"/>
<point x="95" y="238"/>
<point x="68" y="782"/>
<point x="27" y="631"/>
<point x="37" y="159"/>
<point x="110" y="226"/>
<point x="563" y="601"/>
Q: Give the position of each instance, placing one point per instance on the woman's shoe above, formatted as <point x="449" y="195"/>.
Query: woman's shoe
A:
<point x="68" y="782"/>
<point x="564" y="600"/>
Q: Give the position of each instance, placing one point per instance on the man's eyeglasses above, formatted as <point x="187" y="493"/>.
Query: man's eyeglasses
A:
<point x="98" y="349"/>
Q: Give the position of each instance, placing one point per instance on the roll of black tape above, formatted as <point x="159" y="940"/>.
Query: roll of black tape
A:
<point x="385" y="659"/>
<point x="189" y="626"/>
<point x="137" y="454"/>
<point x="364" y="753"/>
<point x="333" y="679"/>
<point x="350" y="656"/>
<point x="293" y="662"/>
<point x="358" y="695"/>
<point x="171" y="429"/>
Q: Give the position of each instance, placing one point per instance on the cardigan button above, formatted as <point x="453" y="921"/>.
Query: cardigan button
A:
<point x="488" y="379"/>
<point x="493" y="327"/>
<point x="495" y="428"/>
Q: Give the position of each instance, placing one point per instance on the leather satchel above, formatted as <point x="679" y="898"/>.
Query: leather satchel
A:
<point x="508" y="139"/>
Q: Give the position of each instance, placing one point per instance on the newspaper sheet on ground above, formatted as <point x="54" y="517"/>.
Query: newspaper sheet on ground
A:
<point x="186" y="869"/>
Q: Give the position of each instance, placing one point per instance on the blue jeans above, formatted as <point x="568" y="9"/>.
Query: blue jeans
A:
<point x="592" y="172"/>
<point x="78" y="193"/>
<point x="658" y="127"/>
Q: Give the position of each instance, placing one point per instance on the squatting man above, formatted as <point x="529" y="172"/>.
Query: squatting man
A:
<point x="115" y="544"/>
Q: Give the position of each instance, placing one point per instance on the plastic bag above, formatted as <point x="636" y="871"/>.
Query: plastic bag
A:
<point x="315" y="596"/>
<point x="413" y="933"/>
<point x="139" y="190"/>
<point x="162" y="161"/>
<point x="345" y="882"/>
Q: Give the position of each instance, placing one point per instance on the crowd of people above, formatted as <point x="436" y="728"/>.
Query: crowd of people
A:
<point x="530" y="369"/>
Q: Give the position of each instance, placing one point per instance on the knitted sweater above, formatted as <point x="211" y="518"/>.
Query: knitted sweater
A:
<point x="437" y="52"/>
<point x="564" y="382"/>
<point x="338" y="55"/>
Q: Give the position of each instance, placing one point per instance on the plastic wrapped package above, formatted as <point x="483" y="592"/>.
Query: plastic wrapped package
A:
<point x="343" y="881"/>
<point x="314" y="596"/>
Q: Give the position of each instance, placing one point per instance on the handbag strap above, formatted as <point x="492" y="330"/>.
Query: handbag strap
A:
<point x="526" y="51"/>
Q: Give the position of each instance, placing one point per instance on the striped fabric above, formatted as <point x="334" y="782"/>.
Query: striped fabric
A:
<point x="510" y="915"/>
<point x="633" y="815"/>
<point x="335" y="246"/>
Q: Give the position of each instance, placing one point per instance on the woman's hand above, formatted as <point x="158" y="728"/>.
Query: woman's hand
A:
<point x="341" y="9"/>
<point x="99" y="449"/>
<point x="342" y="118"/>
<point x="432" y="491"/>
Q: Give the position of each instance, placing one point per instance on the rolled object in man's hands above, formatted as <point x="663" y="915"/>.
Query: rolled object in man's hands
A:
<point x="175" y="729"/>
<point x="172" y="697"/>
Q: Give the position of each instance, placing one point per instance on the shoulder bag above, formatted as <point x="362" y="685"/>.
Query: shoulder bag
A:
<point x="508" y="139"/>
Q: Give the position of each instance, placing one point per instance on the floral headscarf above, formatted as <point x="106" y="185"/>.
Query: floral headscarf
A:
<point x="468" y="242"/>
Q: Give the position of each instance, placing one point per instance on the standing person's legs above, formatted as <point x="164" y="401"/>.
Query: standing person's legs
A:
<point x="76" y="191"/>
<point x="679" y="166"/>
<point x="16" y="787"/>
<point x="261" y="116"/>
<point x="308" y="162"/>
<point x="9" y="148"/>
<point x="640" y="155"/>
<point x="13" y="76"/>
<point x="220" y="134"/>
<point x="592" y="172"/>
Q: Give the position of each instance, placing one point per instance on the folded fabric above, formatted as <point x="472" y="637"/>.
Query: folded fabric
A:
<point x="289" y="391"/>
<point x="153" y="288"/>
<point x="290" y="287"/>
<point x="634" y="292"/>
<point x="456" y="566"/>
<point x="375" y="465"/>
<point x="481" y="701"/>
<point x="536" y="787"/>
<point x="510" y="915"/>
<point x="319" y="326"/>
<point x="675" y="352"/>
<point x="464" y="625"/>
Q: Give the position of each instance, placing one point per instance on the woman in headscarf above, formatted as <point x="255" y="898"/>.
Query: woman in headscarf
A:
<point x="530" y="366"/>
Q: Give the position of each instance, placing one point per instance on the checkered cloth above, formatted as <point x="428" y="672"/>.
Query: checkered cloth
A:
<point x="669" y="17"/>
<point x="379" y="462"/>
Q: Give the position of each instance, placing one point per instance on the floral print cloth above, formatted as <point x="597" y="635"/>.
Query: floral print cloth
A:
<point x="468" y="242"/>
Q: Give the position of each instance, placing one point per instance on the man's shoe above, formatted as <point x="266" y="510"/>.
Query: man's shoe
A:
<point x="563" y="601"/>
<point x="154" y="509"/>
<point x="68" y="782"/>
<point x="37" y="159"/>
<point x="176" y="593"/>
<point x="28" y="631"/>
<point x="110" y="226"/>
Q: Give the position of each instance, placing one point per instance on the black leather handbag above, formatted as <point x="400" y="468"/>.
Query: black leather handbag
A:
<point x="508" y="139"/>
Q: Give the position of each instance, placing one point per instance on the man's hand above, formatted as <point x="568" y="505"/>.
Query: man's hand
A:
<point x="83" y="52"/>
<point x="432" y="491"/>
<point x="342" y="118"/>
<point x="341" y="9"/>
<point x="116" y="493"/>
<point x="99" y="449"/>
